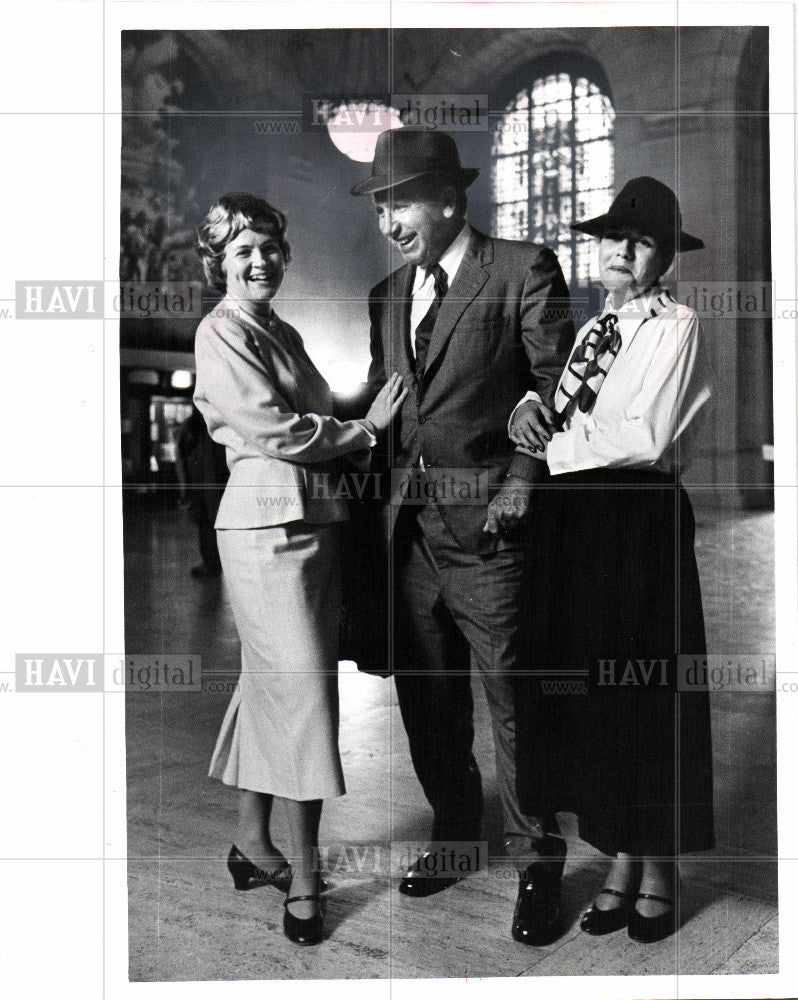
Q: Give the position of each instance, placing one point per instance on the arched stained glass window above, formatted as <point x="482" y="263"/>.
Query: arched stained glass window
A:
<point x="553" y="163"/>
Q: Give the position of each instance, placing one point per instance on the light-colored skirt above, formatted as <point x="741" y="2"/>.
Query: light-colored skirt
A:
<point x="280" y="732"/>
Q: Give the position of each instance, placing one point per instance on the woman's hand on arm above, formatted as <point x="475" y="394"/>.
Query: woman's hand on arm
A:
<point x="532" y="425"/>
<point x="387" y="403"/>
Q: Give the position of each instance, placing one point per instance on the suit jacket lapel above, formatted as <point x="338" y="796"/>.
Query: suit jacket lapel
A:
<point x="267" y="345"/>
<point x="471" y="276"/>
<point x="285" y="353"/>
<point x="398" y="355"/>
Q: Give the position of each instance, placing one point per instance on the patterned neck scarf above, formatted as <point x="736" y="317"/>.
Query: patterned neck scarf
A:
<point x="593" y="358"/>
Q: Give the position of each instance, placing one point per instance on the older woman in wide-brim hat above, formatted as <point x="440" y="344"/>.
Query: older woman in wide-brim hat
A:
<point x="613" y="589"/>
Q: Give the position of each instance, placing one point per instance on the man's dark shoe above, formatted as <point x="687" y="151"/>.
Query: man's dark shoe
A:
<point x="536" y="920"/>
<point x="421" y="881"/>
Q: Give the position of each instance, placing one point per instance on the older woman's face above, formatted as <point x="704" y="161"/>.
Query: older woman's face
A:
<point x="253" y="266"/>
<point x="629" y="263"/>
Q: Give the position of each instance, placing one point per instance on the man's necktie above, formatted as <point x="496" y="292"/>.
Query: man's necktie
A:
<point x="588" y="366"/>
<point x="424" y="328"/>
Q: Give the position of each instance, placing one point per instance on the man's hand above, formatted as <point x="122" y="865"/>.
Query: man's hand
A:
<point x="533" y="425"/>
<point x="510" y="505"/>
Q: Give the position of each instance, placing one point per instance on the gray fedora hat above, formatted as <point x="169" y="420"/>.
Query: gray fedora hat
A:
<point x="405" y="154"/>
<point x="647" y="206"/>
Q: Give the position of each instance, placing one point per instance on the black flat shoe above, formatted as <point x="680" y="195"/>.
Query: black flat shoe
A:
<point x="418" y="882"/>
<point x="245" y="873"/>
<point x="597" y="921"/>
<point x="308" y="931"/>
<point x="650" y="929"/>
<point x="536" y="920"/>
<point x="206" y="572"/>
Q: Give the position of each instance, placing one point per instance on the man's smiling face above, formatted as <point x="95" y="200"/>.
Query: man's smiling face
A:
<point x="419" y="219"/>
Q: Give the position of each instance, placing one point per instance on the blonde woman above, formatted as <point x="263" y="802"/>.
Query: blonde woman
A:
<point x="265" y="401"/>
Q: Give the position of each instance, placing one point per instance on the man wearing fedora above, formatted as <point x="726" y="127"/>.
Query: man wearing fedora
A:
<point x="473" y="324"/>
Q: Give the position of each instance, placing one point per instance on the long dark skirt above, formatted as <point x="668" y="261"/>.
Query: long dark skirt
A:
<point x="612" y="600"/>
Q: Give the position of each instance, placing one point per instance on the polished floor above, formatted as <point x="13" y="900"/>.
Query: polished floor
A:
<point x="187" y="923"/>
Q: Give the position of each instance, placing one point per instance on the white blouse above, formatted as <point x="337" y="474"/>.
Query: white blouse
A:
<point x="649" y="407"/>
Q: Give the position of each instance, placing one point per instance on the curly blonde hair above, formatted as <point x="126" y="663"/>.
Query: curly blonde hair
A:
<point x="228" y="216"/>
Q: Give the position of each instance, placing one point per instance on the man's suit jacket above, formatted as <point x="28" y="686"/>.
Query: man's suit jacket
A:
<point x="504" y="328"/>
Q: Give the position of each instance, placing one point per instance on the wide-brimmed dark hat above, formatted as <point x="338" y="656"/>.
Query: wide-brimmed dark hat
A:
<point x="404" y="154"/>
<point x="649" y="207"/>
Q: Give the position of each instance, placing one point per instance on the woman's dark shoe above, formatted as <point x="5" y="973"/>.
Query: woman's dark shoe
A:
<point x="536" y="920"/>
<point x="245" y="873"/>
<point x="650" y="929"/>
<point x="309" y="931"/>
<point x="597" y="921"/>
